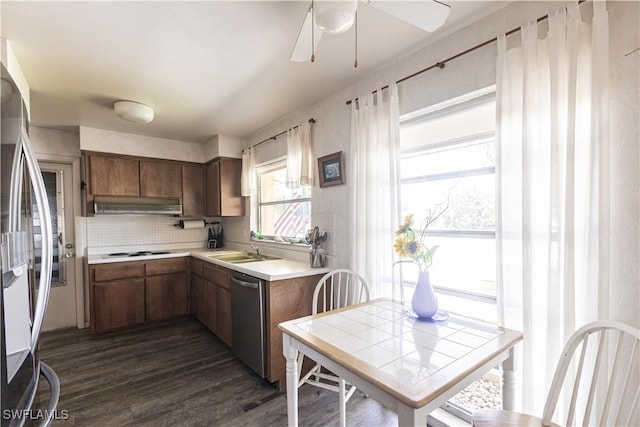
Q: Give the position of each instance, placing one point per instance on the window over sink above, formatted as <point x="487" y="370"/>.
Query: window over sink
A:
<point x="283" y="210"/>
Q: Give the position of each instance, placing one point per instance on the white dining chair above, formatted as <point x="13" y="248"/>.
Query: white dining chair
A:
<point x="336" y="289"/>
<point x="618" y="340"/>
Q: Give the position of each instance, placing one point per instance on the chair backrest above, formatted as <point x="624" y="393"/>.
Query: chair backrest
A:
<point x="339" y="288"/>
<point x="619" y="383"/>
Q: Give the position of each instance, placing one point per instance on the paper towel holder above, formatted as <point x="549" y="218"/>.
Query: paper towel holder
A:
<point x="180" y="224"/>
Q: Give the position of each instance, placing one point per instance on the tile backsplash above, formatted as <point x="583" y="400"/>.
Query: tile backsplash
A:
<point x="140" y="230"/>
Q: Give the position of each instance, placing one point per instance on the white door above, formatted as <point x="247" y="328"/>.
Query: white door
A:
<point x="61" y="312"/>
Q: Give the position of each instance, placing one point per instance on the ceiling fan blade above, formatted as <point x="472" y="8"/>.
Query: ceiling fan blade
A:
<point x="428" y="15"/>
<point x="302" y="50"/>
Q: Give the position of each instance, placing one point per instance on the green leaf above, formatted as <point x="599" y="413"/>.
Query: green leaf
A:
<point x="428" y="255"/>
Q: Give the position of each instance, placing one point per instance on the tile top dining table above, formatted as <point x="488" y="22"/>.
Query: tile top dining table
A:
<point x="409" y="365"/>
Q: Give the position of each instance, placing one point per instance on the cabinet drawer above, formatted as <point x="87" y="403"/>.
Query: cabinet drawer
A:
<point x="118" y="270"/>
<point x="217" y="275"/>
<point x="196" y="266"/>
<point x="167" y="265"/>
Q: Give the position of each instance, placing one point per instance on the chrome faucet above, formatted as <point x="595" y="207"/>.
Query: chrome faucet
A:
<point x="257" y="249"/>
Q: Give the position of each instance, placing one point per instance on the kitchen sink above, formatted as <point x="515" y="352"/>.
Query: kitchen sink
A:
<point x="241" y="257"/>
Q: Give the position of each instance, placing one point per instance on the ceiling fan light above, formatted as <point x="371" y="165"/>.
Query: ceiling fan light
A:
<point x="335" y="16"/>
<point x="133" y="111"/>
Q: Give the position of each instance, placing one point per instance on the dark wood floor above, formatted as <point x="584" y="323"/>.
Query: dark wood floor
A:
<point x="178" y="374"/>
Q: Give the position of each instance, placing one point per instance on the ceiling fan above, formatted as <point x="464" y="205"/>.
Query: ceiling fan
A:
<point x="338" y="16"/>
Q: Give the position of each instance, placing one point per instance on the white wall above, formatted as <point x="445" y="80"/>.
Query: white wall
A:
<point x="470" y="72"/>
<point x="12" y="65"/>
<point x="108" y="141"/>
<point x="92" y="139"/>
<point x="55" y="143"/>
<point x="223" y="146"/>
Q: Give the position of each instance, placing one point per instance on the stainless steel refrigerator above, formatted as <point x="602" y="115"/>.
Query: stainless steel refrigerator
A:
<point x="23" y="302"/>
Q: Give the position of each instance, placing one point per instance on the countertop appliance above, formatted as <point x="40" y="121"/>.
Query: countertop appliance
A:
<point x="215" y="240"/>
<point x="248" y="321"/>
<point x="23" y="306"/>
<point x="134" y="254"/>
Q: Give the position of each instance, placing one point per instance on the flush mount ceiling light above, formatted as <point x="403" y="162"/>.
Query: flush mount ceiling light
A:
<point x="133" y="111"/>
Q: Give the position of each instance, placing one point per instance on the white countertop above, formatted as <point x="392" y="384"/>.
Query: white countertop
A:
<point x="270" y="270"/>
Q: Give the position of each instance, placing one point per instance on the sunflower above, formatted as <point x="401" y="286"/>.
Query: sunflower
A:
<point x="411" y="244"/>
<point x="414" y="249"/>
<point x="408" y="222"/>
<point x="400" y="246"/>
<point x="408" y="244"/>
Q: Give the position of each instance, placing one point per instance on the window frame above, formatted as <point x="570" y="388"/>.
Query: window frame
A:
<point x="449" y="107"/>
<point x="266" y="168"/>
<point x="481" y="137"/>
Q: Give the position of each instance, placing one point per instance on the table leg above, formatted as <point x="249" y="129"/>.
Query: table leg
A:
<point x="409" y="417"/>
<point x="508" y="382"/>
<point x="343" y="403"/>
<point x="291" y="354"/>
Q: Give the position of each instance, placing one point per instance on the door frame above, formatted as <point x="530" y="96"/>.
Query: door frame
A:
<point x="75" y="211"/>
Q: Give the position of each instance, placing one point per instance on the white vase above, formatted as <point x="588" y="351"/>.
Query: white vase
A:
<point x="424" y="302"/>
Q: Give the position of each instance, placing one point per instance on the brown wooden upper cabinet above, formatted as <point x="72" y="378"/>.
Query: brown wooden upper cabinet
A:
<point x="160" y="179"/>
<point x="113" y="176"/>
<point x="206" y="190"/>
<point x="223" y="177"/>
<point x="193" y="194"/>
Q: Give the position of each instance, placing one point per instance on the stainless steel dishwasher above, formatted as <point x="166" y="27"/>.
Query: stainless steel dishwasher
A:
<point x="248" y="321"/>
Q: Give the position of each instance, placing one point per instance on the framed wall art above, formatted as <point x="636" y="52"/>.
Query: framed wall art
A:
<point x="331" y="169"/>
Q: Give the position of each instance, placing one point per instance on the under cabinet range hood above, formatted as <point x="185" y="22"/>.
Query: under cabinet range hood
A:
<point x="104" y="205"/>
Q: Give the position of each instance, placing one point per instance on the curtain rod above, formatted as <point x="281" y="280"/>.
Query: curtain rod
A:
<point x="280" y="134"/>
<point x="441" y="64"/>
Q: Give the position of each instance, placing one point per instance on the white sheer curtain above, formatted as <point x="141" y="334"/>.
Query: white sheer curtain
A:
<point x="553" y="175"/>
<point x="300" y="170"/>
<point x="248" y="178"/>
<point x="373" y="179"/>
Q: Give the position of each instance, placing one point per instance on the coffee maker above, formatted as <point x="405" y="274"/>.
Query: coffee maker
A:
<point x="215" y="236"/>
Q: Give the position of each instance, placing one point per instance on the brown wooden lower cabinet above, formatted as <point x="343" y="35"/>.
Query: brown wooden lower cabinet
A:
<point x="120" y="303"/>
<point x="211" y="298"/>
<point x="223" y="315"/>
<point x="197" y="297"/>
<point x="130" y="293"/>
<point x="166" y="296"/>
<point x="286" y="300"/>
<point x="209" y="306"/>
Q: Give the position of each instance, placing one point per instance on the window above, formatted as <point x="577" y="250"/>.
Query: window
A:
<point x="53" y="185"/>
<point x="448" y="158"/>
<point x="283" y="211"/>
